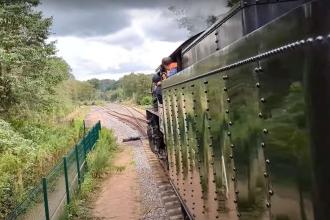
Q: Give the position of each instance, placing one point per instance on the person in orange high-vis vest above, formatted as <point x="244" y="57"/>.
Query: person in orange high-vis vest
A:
<point x="171" y="68"/>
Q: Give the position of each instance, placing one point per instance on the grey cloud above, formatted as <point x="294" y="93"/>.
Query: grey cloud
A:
<point x="126" y="68"/>
<point x="126" y="39"/>
<point x="167" y="30"/>
<point x="102" y="17"/>
<point x="97" y="70"/>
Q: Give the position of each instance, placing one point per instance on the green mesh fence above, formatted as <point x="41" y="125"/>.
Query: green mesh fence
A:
<point x="48" y="199"/>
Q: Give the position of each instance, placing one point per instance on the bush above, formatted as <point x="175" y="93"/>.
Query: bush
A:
<point x="99" y="159"/>
<point x="146" y="100"/>
<point x="27" y="151"/>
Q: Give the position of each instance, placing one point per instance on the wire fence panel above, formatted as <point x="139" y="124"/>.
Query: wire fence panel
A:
<point x="48" y="199"/>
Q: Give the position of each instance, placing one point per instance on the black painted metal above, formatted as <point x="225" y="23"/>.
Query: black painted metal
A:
<point x="247" y="127"/>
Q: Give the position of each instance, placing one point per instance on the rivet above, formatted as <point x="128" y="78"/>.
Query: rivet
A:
<point x="263" y="144"/>
<point x="238" y="214"/>
<point x="230" y="123"/>
<point x="207" y="109"/>
<point x="206" y="82"/>
<point x="237" y="192"/>
<point x="225" y="77"/>
<point x="235" y="200"/>
<point x="268" y="205"/>
<point x="310" y="40"/>
<point x="227" y="111"/>
<point x="265" y="131"/>
<point x="207" y="100"/>
<point x="225" y="89"/>
<point x="232" y="145"/>
<point x="262" y="100"/>
<point x="205" y="91"/>
<point x="260" y="115"/>
<point x="228" y="133"/>
<point x="233" y="178"/>
<point x="234" y="169"/>
<point x="258" y="85"/>
<point x="192" y="85"/>
<point x="268" y="161"/>
<point x="271" y="192"/>
<point x="228" y="100"/>
<point x="266" y="174"/>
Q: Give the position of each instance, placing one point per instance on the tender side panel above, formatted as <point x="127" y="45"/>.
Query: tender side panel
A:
<point x="241" y="142"/>
<point x="244" y="129"/>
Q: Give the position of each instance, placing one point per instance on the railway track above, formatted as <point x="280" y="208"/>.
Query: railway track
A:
<point x="128" y="119"/>
<point x="167" y="194"/>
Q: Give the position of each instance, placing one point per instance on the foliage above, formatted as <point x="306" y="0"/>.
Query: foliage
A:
<point x="231" y="3"/>
<point x="98" y="160"/>
<point x="37" y="91"/>
<point x="146" y="100"/>
<point x="103" y="85"/>
<point x="24" y="54"/>
<point x="135" y="87"/>
<point x="27" y="151"/>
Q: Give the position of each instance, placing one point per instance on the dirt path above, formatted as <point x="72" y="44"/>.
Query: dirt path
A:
<point x="119" y="197"/>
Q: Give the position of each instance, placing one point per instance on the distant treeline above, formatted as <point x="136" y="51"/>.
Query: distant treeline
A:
<point x="132" y="87"/>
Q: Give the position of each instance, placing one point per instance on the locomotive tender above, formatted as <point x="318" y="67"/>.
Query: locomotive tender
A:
<point x="244" y="128"/>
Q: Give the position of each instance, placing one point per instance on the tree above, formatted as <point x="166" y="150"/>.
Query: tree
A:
<point x="24" y="55"/>
<point x="231" y="3"/>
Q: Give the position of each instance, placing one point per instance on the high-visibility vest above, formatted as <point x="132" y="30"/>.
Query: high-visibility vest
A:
<point x="172" y="69"/>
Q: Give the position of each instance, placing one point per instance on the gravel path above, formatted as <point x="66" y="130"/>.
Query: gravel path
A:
<point x="151" y="200"/>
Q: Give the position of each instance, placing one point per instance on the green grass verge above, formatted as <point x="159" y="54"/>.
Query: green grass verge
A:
<point x="99" y="163"/>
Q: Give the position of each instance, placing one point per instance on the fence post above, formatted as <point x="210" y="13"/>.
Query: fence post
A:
<point x="66" y="180"/>
<point x="84" y="125"/>
<point x="84" y="147"/>
<point x="44" y="186"/>
<point x="78" y="166"/>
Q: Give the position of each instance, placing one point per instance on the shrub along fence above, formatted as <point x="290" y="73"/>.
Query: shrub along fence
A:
<point x="47" y="200"/>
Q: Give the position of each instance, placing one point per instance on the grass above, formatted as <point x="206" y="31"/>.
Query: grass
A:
<point x="99" y="163"/>
<point x="29" y="148"/>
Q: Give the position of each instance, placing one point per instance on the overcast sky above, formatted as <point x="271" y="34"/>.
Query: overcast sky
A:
<point x="106" y="39"/>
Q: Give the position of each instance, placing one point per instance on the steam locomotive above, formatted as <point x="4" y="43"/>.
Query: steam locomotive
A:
<point x="244" y="129"/>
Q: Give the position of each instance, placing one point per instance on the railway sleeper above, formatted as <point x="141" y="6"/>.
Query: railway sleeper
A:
<point x="167" y="193"/>
<point x="172" y="205"/>
<point x="176" y="217"/>
<point x="165" y="187"/>
<point x="171" y="198"/>
<point x="175" y="211"/>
